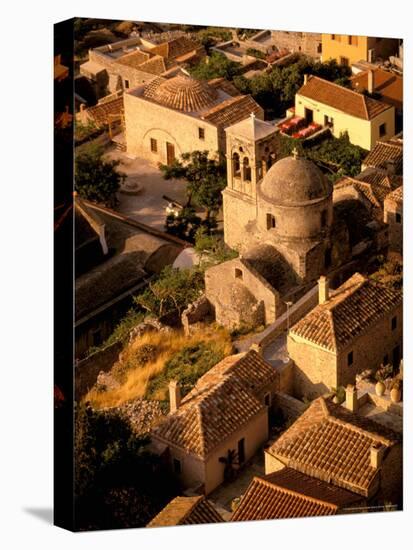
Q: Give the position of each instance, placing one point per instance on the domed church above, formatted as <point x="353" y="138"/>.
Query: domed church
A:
<point x="279" y="215"/>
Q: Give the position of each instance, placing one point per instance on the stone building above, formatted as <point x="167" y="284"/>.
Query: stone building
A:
<point x="129" y="63"/>
<point x="280" y="216"/>
<point x="186" y="511"/>
<point x="168" y="117"/>
<point x="342" y="110"/>
<point x="225" y="415"/>
<point x="393" y="216"/>
<point x="356" y="327"/>
<point x="307" y="43"/>
<point x="288" y="493"/>
<point x="343" y="449"/>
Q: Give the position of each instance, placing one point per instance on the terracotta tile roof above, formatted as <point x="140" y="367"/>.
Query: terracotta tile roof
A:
<point x="291" y="494"/>
<point x="175" y="47"/>
<point x="396" y="195"/>
<point x="374" y="184"/>
<point x="384" y="152"/>
<point x="388" y="84"/>
<point x="155" y="65"/>
<point x="341" y="98"/>
<point x="225" y="85"/>
<point x="101" y="113"/>
<point x="223" y="400"/>
<point x="332" y="444"/>
<point x="232" y="110"/>
<point x="182" y="93"/>
<point x="134" y="59"/>
<point x="352" y="308"/>
<point x="186" y="511"/>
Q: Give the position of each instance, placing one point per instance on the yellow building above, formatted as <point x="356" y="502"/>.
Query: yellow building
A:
<point x="347" y="49"/>
<point x="365" y="120"/>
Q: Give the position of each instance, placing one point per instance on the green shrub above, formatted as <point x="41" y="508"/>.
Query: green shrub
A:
<point x="186" y="367"/>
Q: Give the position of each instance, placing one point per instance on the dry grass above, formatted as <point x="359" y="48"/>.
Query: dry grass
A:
<point x="137" y="377"/>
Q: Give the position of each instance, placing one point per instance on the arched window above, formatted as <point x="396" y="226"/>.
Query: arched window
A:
<point x="247" y="169"/>
<point x="236" y="167"/>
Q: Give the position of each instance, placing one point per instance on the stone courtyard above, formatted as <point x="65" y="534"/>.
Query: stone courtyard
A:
<point x="147" y="206"/>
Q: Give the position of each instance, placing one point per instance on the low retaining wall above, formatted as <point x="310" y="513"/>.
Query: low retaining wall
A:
<point x="87" y="370"/>
<point x="291" y="407"/>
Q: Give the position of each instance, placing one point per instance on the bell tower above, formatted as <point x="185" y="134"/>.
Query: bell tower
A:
<point x="251" y="150"/>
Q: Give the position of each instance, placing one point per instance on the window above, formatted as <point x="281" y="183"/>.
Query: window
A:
<point x="328" y="121"/>
<point x="238" y="273"/>
<point x="350" y="359"/>
<point x="333" y="37"/>
<point x="344" y="61"/>
<point x="319" y="48"/>
<point x="126" y="83"/>
<point x="201" y="133"/>
<point x="324" y="218"/>
<point x="177" y="466"/>
<point x="308" y="113"/>
<point x="398" y="218"/>
<point x="247" y="169"/>
<point x="236" y="165"/>
<point x="382" y="129"/>
<point x="154" y="145"/>
<point x="270" y="221"/>
<point x="241" y="450"/>
<point x="327" y="258"/>
<point x="267" y="399"/>
<point x="394" y="323"/>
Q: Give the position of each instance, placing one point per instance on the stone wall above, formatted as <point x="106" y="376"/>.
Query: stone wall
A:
<point x="391" y="209"/>
<point x="196" y="314"/>
<point x="290" y="407"/>
<point x="307" y="43"/>
<point x="145" y="120"/>
<point x="87" y="370"/>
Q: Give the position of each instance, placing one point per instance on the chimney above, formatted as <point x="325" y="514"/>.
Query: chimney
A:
<point x="174" y="396"/>
<point x="256" y="347"/>
<point x="376" y="455"/>
<point x="370" y="82"/>
<point x="305" y="79"/>
<point x="323" y="290"/>
<point x="351" y="398"/>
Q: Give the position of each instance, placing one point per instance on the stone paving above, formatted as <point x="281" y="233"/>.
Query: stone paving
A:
<point x="147" y="206"/>
<point x="223" y="495"/>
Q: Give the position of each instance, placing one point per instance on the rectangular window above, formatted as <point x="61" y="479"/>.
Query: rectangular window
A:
<point x="270" y="221"/>
<point x="177" y="466"/>
<point x="126" y="83"/>
<point x="382" y="129"/>
<point x="201" y="133"/>
<point x="350" y="40"/>
<point x="154" y="145"/>
<point x="350" y="359"/>
<point x="394" y="323"/>
<point x="333" y="37"/>
<point x="344" y="61"/>
<point x="398" y="218"/>
<point x="241" y="450"/>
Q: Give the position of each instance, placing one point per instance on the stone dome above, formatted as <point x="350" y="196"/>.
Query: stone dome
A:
<point x="184" y="94"/>
<point x="294" y="180"/>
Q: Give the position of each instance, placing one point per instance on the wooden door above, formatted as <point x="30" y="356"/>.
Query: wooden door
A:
<point x="170" y="153"/>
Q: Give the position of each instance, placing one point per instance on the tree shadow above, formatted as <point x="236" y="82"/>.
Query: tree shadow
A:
<point x="45" y="514"/>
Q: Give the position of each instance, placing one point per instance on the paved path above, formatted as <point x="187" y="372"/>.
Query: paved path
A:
<point x="276" y="352"/>
<point x="148" y="206"/>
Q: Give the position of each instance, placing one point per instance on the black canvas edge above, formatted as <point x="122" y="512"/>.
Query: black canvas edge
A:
<point x="63" y="354"/>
